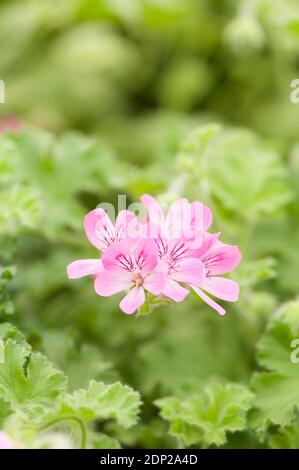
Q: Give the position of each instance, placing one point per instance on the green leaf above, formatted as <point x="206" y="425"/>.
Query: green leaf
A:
<point x="100" y="401"/>
<point x="286" y="438"/>
<point x="222" y="165"/>
<point x="170" y="361"/>
<point x="251" y="273"/>
<point x="5" y="410"/>
<point x="28" y="376"/>
<point x="276" y="400"/>
<point x="6" y="274"/>
<point x="80" y="364"/>
<point x="9" y="331"/>
<point x="101" y="441"/>
<point x="19" y="209"/>
<point x="206" y="418"/>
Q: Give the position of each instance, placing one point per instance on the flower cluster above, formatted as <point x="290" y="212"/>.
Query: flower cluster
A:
<point x="164" y="255"/>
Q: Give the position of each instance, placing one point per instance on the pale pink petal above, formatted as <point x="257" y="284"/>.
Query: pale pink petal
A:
<point x="209" y="241"/>
<point x="126" y="225"/>
<point x="224" y="289"/>
<point x="221" y="259"/>
<point x="99" y="228"/>
<point x="109" y="283"/>
<point x="151" y="230"/>
<point x="145" y="254"/>
<point x="195" y="220"/>
<point x="84" y="267"/>
<point x="162" y="266"/>
<point x="155" y="283"/>
<point x="154" y="210"/>
<point x="133" y="300"/>
<point x="174" y="291"/>
<point x="202" y="216"/>
<point x="131" y="256"/>
<point x="209" y="301"/>
<point x="5" y="441"/>
<point x="178" y="218"/>
<point x="189" y="270"/>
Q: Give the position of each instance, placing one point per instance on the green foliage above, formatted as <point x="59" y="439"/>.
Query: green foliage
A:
<point x="100" y="401"/>
<point x="176" y="99"/>
<point x="222" y="161"/>
<point x="28" y="376"/>
<point x="205" y="418"/>
<point x="276" y="399"/>
<point x="7" y="273"/>
<point x="35" y="394"/>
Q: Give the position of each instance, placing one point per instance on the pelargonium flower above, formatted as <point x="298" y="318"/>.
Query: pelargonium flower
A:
<point x="218" y="259"/>
<point x="165" y="255"/>
<point x="176" y="235"/>
<point x="101" y="232"/>
<point x="5" y="441"/>
<point x="129" y="265"/>
<point x="184" y="220"/>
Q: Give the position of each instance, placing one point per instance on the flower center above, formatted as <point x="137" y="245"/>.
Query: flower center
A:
<point x="138" y="280"/>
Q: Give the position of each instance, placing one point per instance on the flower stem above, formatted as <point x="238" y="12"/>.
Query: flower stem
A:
<point x="69" y="418"/>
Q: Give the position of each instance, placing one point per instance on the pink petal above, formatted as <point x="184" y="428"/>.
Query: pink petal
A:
<point x="99" y="228"/>
<point x="133" y="300"/>
<point x="130" y="255"/>
<point x="221" y="259"/>
<point x="109" y="282"/>
<point x="202" y="216"/>
<point x="209" y="301"/>
<point x="191" y="221"/>
<point x="84" y="267"/>
<point x="178" y="217"/>
<point x="154" y="210"/>
<point x="174" y="291"/>
<point x="5" y="441"/>
<point x="224" y="289"/>
<point x="209" y="241"/>
<point x="155" y="283"/>
<point x="190" y="271"/>
<point x="118" y="257"/>
<point x="126" y="225"/>
<point x="146" y="255"/>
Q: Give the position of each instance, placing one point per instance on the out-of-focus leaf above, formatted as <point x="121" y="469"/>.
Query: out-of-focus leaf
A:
<point x="286" y="438"/>
<point x="171" y="363"/>
<point x="19" y="209"/>
<point x="101" y="441"/>
<point x="5" y="410"/>
<point x="6" y="274"/>
<point x="205" y="419"/>
<point x="79" y="364"/>
<point x="244" y="177"/>
<point x="276" y="400"/>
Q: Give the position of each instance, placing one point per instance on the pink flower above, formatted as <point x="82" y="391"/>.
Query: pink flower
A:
<point x="101" y="232"/>
<point x="183" y="220"/>
<point x="129" y="265"/>
<point x="10" y="123"/>
<point x="175" y="237"/>
<point x="5" y="441"/>
<point x="166" y="255"/>
<point x="178" y="268"/>
<point x="217" y="259"/>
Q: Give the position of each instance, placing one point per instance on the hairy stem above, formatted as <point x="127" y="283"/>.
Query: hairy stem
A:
<point x="69" y="418"/>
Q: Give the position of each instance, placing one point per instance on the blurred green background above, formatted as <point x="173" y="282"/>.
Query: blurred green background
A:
<point x="173" y="98"/>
